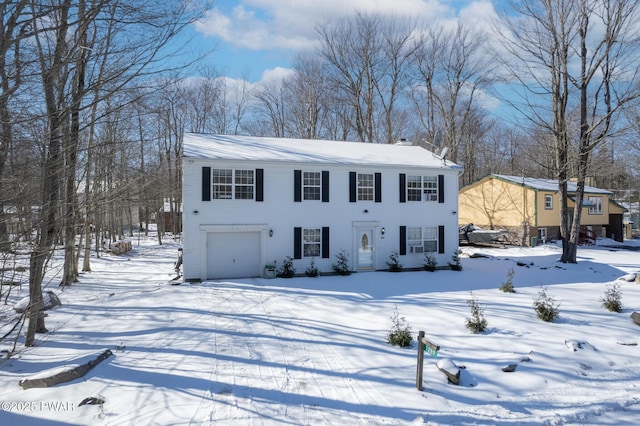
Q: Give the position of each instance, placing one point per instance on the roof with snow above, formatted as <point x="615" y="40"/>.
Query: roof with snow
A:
<point x="547" y="184"/>
<point x="253" y="148"/>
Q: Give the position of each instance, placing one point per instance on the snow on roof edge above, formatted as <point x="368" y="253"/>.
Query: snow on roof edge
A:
<point x="548" y="184"/>
<point x="254" y="148"/>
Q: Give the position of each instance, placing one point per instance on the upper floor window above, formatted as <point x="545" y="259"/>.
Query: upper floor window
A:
<point x="311" y="184"/>
<point x="595" y="206"/>
<point x="365" y="186"/>
<point x="548" y="201"/>
<point x="222" y="184"/>
<point x="422" y="239"/>
<point x="233" y="184"/>
<point x="422" y="188"/>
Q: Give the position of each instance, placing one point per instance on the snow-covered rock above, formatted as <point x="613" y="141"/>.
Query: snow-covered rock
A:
<point x="450" y="369"/>
<point x="628" y="277"/>
<point x="49" y="299"/>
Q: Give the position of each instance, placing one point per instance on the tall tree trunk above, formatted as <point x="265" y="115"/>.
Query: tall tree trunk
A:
<point x="53" y="81"/>
<point x="70" y="273"/>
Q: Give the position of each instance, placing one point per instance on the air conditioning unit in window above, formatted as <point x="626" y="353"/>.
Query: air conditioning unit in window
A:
<point x="417" y="249"/>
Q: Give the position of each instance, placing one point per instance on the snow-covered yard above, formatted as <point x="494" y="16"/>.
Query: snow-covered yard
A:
<point x="310" y="351"/>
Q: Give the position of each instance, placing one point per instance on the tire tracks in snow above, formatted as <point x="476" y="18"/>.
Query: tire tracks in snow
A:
<point x="281" y="369"/>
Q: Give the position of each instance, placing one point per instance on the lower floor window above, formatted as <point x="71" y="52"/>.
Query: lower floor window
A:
<point x="423" y="239"/>
<point x="311" y="239"/>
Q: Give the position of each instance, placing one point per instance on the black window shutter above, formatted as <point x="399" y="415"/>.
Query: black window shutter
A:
<point x="297" y="186"/>
<point x="378" y="187"/>
<point x="403" y="240"/>
<point x="259" y="184"/>
<point x="325" y="242"/>
<point x="353" y="188"/>
<point x="297" y="243"/>
<point x="325" y="186"/>
<point x="403" y="188"/>
<point x="441" y="188"/>
<point x="206" y="184"/>
<point x="440" y="239"/>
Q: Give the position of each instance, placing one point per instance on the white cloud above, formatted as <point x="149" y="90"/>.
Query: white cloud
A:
<point x="276" y="74"/>
<point x="269" y="24"/>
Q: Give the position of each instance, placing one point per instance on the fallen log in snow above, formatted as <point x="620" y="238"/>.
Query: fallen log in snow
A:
<point x="67" y="373"/>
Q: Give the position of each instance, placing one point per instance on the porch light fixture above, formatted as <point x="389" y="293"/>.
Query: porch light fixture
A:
<point x="270" y="232"/>
<point x="196" y="212"/>
<point x="382" y="231"/>
<point x="365" y="211"/>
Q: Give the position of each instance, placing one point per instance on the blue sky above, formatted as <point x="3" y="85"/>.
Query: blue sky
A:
<point x="253" y="39"/>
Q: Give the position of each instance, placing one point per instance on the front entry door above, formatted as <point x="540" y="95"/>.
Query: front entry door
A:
<point x="365" y="248"/>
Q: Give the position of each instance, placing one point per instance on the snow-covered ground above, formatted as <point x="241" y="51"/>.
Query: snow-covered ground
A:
<point x="309" y="351"/>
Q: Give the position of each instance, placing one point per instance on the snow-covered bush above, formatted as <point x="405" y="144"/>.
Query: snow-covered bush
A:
<point x="312" y="270"/>
<point x="477" y="323"/>
<point x="288" y="270"/>
<point x="612" y="299"/>
<point x="342" y="264"/>
<point x="546" y="307"/>
<point x="507" y="286"/>
<point x="455" y="262"/>
<point x="429" y="262"/>
<point x="400" y="333"/>
<point x="394" y="262"/>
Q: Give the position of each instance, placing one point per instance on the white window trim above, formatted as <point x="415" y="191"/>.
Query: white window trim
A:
<point x="427" y="194"/>
<point x="233" y="184"/>
<point x="411" y="243"/>
<point x="306" y="185"/>
<point x="598" y="201"/>
<point x="306" y="243"/>
<point x="371" y="187"/>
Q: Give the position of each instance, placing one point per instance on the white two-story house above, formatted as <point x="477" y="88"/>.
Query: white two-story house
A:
<point x="252" y="201"/>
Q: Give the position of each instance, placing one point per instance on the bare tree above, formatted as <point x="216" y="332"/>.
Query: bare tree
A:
<point x="270" y="98"/>
<point x="13" y="31"/>
<point x="451" y="67"/>
<point x="304" y="94"/>
<point x="352" y="49"/>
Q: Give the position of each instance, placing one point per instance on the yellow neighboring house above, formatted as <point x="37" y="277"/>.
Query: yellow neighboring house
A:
<point x="529" y="209"/>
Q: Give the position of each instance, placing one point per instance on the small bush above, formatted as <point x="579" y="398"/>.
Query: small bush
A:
<point x="288" y="270"/>
<point x="546" y="307"/>
<point x="394" y="262"/>
<point x="477" y="323"/>
<point x="400" y="333"/>
<point x="612" y="299"/>
<point x="342" y="264"/>
<point x="312" y="271"/>
<point x="455" y="262"/>
<point x="507" y="286"/>
<point x="429" y="262"/>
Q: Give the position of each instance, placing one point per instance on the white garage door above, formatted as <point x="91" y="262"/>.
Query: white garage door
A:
<point x="233" y="255"/>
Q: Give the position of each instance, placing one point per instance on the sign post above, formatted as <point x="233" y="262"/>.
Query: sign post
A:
<point x="431" y="348"/>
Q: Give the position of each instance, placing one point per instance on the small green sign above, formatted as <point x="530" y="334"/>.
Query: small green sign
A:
<point x="431" y="351"/>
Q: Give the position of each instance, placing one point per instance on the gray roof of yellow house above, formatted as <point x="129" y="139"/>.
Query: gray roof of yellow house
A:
<point x="550" y="185"/>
